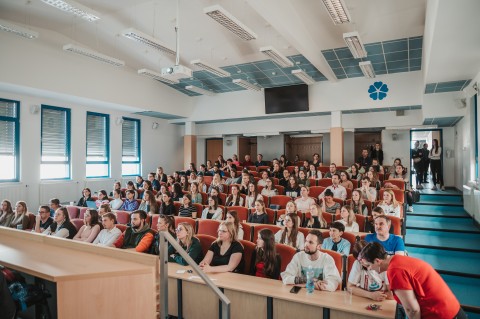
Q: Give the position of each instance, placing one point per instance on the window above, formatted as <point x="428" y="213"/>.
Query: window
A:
<point x="55" y="145"/>
<point x="9" y="140"/>
<point x="98" y="141"/>
<point x="130" y="147"/>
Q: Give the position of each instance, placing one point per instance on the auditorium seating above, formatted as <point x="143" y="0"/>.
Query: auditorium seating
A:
<point x="205" y="241"/>
<point x="286" y="254"/>
<point x="73" y="211"/>
<point x="208" y="227"/>
<point x="248" y="248"/>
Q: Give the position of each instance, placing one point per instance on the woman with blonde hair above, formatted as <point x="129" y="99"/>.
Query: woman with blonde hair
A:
<point x="389" y="204"/>
<point x="232" y="216"/>
<point x="290" y="235"/>
<point x="316" y="219"/>
<point x="186" y="238"/>
<point x="226" y="253"/>
<point x="348" y="219"/>
<point x="20" y="217"/>
<point x="290" y="207"/>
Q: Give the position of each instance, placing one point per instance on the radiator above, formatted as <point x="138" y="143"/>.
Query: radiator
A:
<point x="468" y="200"/>
<point x="13" y="192"/>
<point x="65" y="191"/>
<point x="99" y="184"/>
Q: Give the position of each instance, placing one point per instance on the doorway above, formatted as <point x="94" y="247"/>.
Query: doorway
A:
<point x="214" y="147"/>
<point x="365" y="140"/>
<point x="425" y="138"/>
<point x="247" y="145"/>
<point x="303" y="146"/>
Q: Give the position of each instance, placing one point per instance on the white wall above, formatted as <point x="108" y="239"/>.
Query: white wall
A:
<point x="163" y="146"/>
<point x="348" y="148"/>
<point x="271" y="146"/>
<point x="229" y="150"/>
<point x="399" y="148"/>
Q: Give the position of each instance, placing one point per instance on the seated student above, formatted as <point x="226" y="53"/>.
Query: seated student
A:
<point x="401" y="174"/>
<point x="269" y="190"/>
<point x="396" y="162"/>
<point x="165" y="223"/>
<point x="303" y="179"/>
<point x="285" y="178"/>
<point x="295" y="172"/>
<point x="376" y="166"/>
<point x="305" y="167"/>
<point x="212" y="211"/>
<point x="247" y="161"/>
<point x="147" y="186"/>
<point x="235" y="160"/>
<point x="265" y="262"/>
<point x="217" y="170"/>
<point x="260" y="161"/>
<point x="20" y="219"/>
<point x="138" y="236"/>
<point x="86" y="197"/>
<point x="117" y="185"/>
<point x="259" y="216"/>
<point x="109" y="234"/>
<point x="186" y="238"/>
<point x="131" y="186"/>
<point x="328" y="204"/>
<point x="367" y="283"/>
<point x="139" y="182"/>
<point x="154" y="182"/>
<point x="338" y="190"/>
<point x="117" y="201"/>
<point x="263" y="181"/>
<point x="215" y="193"/>
<point x="313" y="173"/>
<point x="276" y="171"/>
<point x="61" y="226"/>
<point x="316" y="160"/>
<point x="290" y="235"/>
<point x="160" y="175"/>
<point x="283" y="161"/>
<point x="192" y="178"/>
<point x="292" y="189"/>
<point x="345" y="180"/>
<point x="357" y="204"/>
<point x="167" y="207"/>
<point x="184" y="183"/>
<point x="316" y="219"/>
<point x="252" y="196"/>
<point x="393" y="244"/>
<point x="370" y="223"/>
<point x="335" y="242"/>
<point x="217" y="182"/>
<point x="226" y="253"/>
<point x="54" y="205"/>
<point x="191" y="169"/>
<point x="354" y="172"/>
<point x="332" y="170"/>
<point x="43" y="219"/>
<point x="170" y="182"/>
<point x="234" y="199"/>
<point x="244" y="181"/>
<point x="389" y="204"/>
<point x="104" y="209"/>
<point x="304" y="202"/>
<point x="130" y="204"/>
<point x="232" y="173"/>
<point x="367" y="192"/>
<point x="374" y="181"/>
<point x="348" y="219"/>
<point x="290" y="207"/>
<point x="232" y="217"/>
<point x="7" y="213"/>
<point x="195" y="193"/>
<point x="102" y="198"/>
<point x="89" y="231"/>
<point x="149" y="203"/>
<point x="323" y="265"/>
<point x="187" y="209"/>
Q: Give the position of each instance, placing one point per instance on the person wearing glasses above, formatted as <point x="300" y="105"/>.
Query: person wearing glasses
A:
<point x="43" y="219"/>
<point x="186" y="238"/>
<point x="226" y="253"/>
<point x="61" y="226"/>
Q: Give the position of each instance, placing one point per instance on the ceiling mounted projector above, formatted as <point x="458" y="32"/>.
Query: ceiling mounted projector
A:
<point x="177" y="72"/>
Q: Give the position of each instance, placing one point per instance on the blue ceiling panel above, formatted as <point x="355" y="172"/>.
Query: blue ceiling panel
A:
<point x="449" y="86"/>
<point x="374" y="48"/>
<point x="442" y="121"/>
<point x="415" y="43"/>
<point x="395" y="45"/>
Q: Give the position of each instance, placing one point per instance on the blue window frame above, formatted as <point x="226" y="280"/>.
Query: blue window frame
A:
<point x="98" y="145"/>
<point x="55" y="143"/>
<point x="130" y="147"/>
<point x="9" y="140"/>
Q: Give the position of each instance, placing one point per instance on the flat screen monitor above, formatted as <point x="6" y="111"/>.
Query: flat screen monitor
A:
<point x="286" y="99"/>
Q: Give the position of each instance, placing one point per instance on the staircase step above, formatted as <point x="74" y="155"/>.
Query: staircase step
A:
<point x="467" y="290"/>
<point x="443" y="240"/>
<point x="441" y="200"/>
<point x="442" y="223"/>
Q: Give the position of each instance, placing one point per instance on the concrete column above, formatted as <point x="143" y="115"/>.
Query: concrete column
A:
<point x="189" y="144"/>
<point x="336" y="139"/>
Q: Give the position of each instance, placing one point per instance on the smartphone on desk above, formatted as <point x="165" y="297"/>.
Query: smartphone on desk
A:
<point x="295" y="289"/>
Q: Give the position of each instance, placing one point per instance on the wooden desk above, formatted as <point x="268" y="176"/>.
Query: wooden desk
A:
<point x="91" y="281"/>
<point x="253" y="297"/>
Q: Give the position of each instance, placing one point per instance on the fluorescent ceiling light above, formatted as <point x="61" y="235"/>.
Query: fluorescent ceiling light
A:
<point x="367" y="69"/>
<point x="303" y="76"/>
<point x="337" y="10"/>
<point x="17" y="30"/>
<point x="247" y="85"/>
<point x="75" y="8"/>
<point x="92" y="54"/>
<point x="210" y="68"/>
<point x="352" y="39"/>
<point x="147" y="40"/>
<point x="264" y="134"/>
<point x="276" y="57"/>
<point x="198" y="90"/>
<point x="156" y="76"/>
<point x="223" y="17"/>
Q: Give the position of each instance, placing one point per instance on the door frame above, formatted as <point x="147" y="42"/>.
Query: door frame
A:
<point x="424" y="130"/>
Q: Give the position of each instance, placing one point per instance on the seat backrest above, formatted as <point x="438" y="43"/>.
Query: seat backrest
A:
<point x="154" y="221"/>
<point x="349" y="193"/>
<point x="325" y="182"/>
<point x="351" y="238"/>
<point x="73" y="211"/>
<point x="275" y="181"/>
<point x="205" y="241"/>
<point x="355" y="183"/>
<point x="304" y="231"/>
<point x="223" y="198"/>
<point x="123" y="217"/>
<point x="313" y="182"/>
<point x="350" y="261"/>
<point x="253" y="173"/>
<point x="82" y="212"/>
<point x="329" y="218"/>
<point x="315" y="191"/>
<point x="248" y="248"/>
<point x="242" y="212"/>
<point x="280" y="189"/>
<point x="199" y="208"/>
<point x="77" y="222"/>
<point x="204" y="197"/>
<point x="361" y="220"/>
<point x="339" y="200"/>
<point x="207" y="179"/>
<point x="189" y="220"/>
<point x="252" y="168"/>
<point x="337" y="257"/>
<point x="286" y="253"/>
<point x="399" y="194"/>
<point x="262" y="168"/>
<point x="280" y="200"/>
<point x="399" y="183"/>
<point x="247" y="231"/>
<point x="396" y="224"/>
<point x="323" y="169"/>
<point x="208" y="227"/>
<point x="290" y="169"/>
<point x="123" y="228"/>
<point x="272" y="215"/>
<point x="259" y="227"/>
<point x="177" y="207"/>
<point x="31" y="220"/>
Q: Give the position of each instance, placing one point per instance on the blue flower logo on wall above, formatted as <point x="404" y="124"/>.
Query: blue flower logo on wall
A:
<point x="378" y="91"/>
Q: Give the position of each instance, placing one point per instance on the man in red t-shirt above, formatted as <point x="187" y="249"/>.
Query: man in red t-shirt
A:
<point x="414" y="283"/>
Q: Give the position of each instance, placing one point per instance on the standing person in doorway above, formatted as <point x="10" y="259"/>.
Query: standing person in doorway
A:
<point x="417" y="155"/>
<point x="425" y="162"/>
<point x="436" y="165"/>
<point x="377" y="153"/>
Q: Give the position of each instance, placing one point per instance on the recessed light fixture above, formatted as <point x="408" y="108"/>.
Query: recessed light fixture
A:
<point x="74" y="8"/>
<point x="210" y="68"/>
<point x="92" y="54"/>
<point x="337" y="10"/>
<point x="355" y="45"/>
<point x="281" y="60"/>
<point x="198" y="90"/>
<point x="303" y="76"/>
<point x="17" y="30"/>
<point x="367" y="69"/>
<point x="147" y="40"/>
<point x="247" y="85"/>
<point x="156" y="76"/>
<point x="226" y="19"/>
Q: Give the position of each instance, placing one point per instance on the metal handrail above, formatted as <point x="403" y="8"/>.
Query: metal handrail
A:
<point x="166" y="238"/>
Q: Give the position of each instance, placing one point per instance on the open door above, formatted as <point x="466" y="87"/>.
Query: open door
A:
<point x="421" y="172"/>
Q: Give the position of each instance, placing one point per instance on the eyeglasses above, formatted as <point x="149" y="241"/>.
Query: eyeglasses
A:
<point x="221" y="231"/>
<point x="178" y="230"/>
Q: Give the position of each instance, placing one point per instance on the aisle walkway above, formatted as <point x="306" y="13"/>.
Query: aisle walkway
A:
<point x="440" y="232"/>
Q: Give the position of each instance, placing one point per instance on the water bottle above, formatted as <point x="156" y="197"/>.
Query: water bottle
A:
<point x="310" y="276"/>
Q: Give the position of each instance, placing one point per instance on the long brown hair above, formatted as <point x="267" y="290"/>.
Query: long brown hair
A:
<point x="292" y="238"/>
<point x="268" y="253"/>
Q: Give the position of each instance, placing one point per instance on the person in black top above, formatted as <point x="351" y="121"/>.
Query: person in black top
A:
<point x="226" y="253"/>
<point x="259" y="216"/>
<point x="260" y="161"/>
<point x="365" y="160"/>
<point x="87" y="197"/>
<point x="377" y="153"/>
<point x="417" y="156"/>
<point x="177" y="192"/>
<point x="167" y="207"/>
<point x="265" y="261"/>
<point x="139" y="182"/>
<point x="284" y="180"/>
<point x="161" y="176"/>
<point x="425" y="162"/>
<point x="43" y="219"/>
<point x="155" y="182"/>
